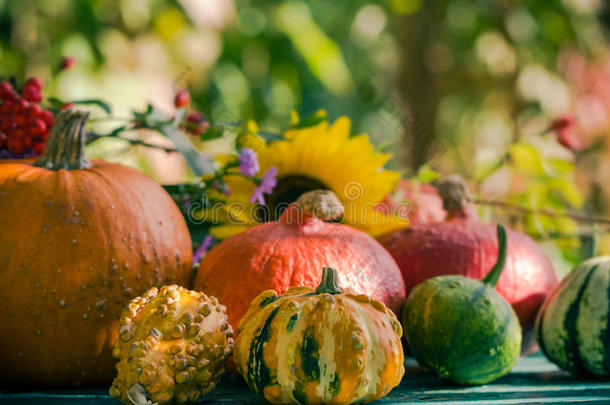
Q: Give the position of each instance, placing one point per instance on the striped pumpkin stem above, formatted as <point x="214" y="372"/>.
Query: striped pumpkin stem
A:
<point x="494" y="274"/>
<point x="329" y="283"/>
<point x="66" y="145"/>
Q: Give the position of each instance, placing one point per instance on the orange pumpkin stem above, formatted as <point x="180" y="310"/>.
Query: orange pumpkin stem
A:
<point x="328" y="284"/>
<point x="323" y="204"/>
<point x="65" y="148"/>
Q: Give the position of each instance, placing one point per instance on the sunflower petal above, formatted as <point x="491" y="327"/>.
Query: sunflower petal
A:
<point x="349" y="166"/>
<point x="226" y="231"/>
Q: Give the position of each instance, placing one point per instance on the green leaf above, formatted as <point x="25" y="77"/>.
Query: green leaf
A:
<point x="269" y="136"/>
<point x="427" y="175"/>
<point x="92" y="136"/>
<point x="198" y="163"/>
<point x="179" y="117"/>
<point x="565" y="225"/>
<point x="174" y="189"/>
<point x="198" y="231"/>
<point x="229" y="125"/>
<point x="568" y="191"/>
<point x="561" y="167"/>
<point x="310" y="121"/>
<point x="94" y="101"/>
<point x="527" y="158"/>
<point x="213" y="132"/>
<point x="55" y="102"/>
<point x="158" y="120"/>
<point x="482" y="172"/>
<point x="152" y="117"/>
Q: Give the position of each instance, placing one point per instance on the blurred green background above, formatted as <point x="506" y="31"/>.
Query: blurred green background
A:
<point x="460" y="86"/>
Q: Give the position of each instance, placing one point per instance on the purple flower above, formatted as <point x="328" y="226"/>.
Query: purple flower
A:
<point x="248" y="162"/>
<point x="205" y="245"/>
<point x="186" y="200"/>
<point x="266" y="186"/>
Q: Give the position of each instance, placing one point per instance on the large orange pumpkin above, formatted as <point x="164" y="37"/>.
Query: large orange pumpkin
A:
<point x="78" y="240"/>
<point x="293" y="251"/>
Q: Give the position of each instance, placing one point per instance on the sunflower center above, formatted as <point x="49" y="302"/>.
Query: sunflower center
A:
<point x="287" y="190"/>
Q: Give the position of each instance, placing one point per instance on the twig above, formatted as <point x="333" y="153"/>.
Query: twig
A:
<point x="110" y="118"/>
<point x="136" y="142"/>
<point x="541" y="211"/>
<point x="560" y="235"/>
<point x="149" y="145"/>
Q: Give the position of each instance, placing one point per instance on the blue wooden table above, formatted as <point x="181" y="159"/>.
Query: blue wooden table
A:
<point x="533" y="381"/>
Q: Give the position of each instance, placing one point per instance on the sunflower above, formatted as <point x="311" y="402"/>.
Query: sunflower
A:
<point x="319" y="156"/>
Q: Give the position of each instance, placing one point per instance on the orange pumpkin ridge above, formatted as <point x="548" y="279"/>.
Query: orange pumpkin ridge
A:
<point x="292" y="251"/>
<point x="78" y="240"/>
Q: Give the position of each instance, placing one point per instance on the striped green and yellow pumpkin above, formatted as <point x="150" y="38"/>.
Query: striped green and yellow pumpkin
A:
<point x="573" y="325"/>
<point x="319" y="346"/>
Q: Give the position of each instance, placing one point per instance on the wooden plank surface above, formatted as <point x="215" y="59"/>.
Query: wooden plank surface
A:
<point x="533" y="381"/>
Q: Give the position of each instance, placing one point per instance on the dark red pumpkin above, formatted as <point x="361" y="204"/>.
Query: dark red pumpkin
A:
<point x="464" y="245"/>
<point x="78" y="240"/>
<point x="293" y="251"/>
<point x="420" y="203"/>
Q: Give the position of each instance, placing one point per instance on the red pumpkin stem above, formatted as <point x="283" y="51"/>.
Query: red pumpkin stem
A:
<point x="328" y="284"/>
<point x="65" y="148"/>
<point x="456" y="196"/>
<point x="494" y="274"/>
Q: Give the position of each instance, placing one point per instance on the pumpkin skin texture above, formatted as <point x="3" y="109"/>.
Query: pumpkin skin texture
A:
<point x="573" y="327"/>
<point x="462" y="328"/>
<point x="464" y="245"/>
<point x="292" y="251"/>
<point x="319" y="346"/>
<point x="75" y="246"/>
<point x="172" y="343"/>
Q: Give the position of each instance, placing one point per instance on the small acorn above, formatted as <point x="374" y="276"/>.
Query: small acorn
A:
<point x="171" y="348"/>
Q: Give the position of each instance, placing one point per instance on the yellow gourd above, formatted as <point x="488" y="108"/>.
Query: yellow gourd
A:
<point x="171" y="348"/>
<point x="319" y="346"/>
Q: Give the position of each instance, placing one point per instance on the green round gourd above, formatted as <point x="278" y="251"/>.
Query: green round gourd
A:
<point x="573" y="324"/>
<point x="462" y="328"/>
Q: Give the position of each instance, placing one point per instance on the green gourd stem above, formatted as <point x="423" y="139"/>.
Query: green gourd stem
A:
<point x="329" y="283"/>
<point x="65" y="148"/>
<point x="323" y="204"/>
<point x="494" y="274"/>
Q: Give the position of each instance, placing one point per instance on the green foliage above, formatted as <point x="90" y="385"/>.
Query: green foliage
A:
<point x="459" y="86"/>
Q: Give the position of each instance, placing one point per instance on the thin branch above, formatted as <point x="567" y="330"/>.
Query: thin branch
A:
<point x="136" y="142"/>
<point x="560" y="235"/>
<point x="541" y="211"/>
<point x="110" y="118"/>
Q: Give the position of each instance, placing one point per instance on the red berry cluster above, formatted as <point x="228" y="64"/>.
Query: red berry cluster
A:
<point x="195" y="122"/>
<point x="24" y="124"/>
